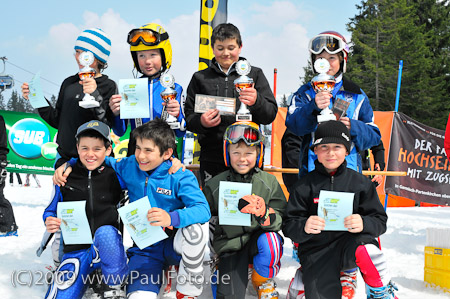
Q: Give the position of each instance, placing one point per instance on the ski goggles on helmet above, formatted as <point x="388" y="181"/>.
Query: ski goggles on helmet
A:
<point x="146" y="36"/>
<point x="329" y="43"/>
<point x="249" y="133"/>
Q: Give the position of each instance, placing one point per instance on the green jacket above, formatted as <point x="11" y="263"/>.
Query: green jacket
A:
<point x="232" y="238"/>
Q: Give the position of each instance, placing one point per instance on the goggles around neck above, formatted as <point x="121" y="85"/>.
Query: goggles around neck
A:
<point x="251" y="136"/>
<point x="329" y="43"/>
<point x="146" y="36"/>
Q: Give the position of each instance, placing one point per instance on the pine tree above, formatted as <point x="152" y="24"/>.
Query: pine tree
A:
<point x="385" y="32"/>
<point x="2" y="103"/>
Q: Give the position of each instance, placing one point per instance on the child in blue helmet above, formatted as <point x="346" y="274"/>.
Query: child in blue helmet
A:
<point x="259" y="244"/>
<point x="152" y="56"/>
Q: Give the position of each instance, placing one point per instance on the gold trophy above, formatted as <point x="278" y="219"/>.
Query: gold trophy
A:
<point x="86" y="59"/>
<point x="323" y="82"/>
<point x="243" y="68"/>
<point x="167" y="80"/>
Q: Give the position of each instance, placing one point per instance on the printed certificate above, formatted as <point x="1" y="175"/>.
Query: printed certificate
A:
<point x="74" y="223"/>
<point x="334" y="207"/>
<point x="135" y="100"/>
<point x="229" y="195"/>
<point x="36" y="96"/>
<point x="203" y="103"/>
<point x="134" y="217"/>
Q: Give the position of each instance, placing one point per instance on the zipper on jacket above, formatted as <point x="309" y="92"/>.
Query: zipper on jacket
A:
<point x="226" y="86"/>
<point x="332" y="183"/>
<point x="217" y="89"/>
<point x="151" y="99"/>
<point x="91" y="200"/>
<point x="145" y="188"/>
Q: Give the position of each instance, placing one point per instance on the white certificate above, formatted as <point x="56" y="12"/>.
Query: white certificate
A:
<point x="135" y="100"/>
<point x="334" y="207"/>
<point x="229" y="195"/>
<point x="74" y="223"/>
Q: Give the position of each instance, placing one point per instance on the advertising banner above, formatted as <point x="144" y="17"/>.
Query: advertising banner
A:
<point x="418" y="150"/>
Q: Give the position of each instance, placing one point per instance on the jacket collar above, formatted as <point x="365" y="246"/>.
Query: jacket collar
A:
<point x="243" y="178"/>
<point x="350" y="86"/>
<point x="321" y="169"/>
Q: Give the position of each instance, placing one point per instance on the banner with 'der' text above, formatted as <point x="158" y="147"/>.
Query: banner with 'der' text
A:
<point x="418" y="150"/>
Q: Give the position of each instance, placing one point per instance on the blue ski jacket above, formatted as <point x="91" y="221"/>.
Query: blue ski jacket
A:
<point x="301" y="119"/>
<point x="154" y="90"/>
<point x="178" y="193"/>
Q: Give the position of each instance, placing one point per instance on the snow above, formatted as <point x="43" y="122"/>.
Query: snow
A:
<point x="403" y="245"/>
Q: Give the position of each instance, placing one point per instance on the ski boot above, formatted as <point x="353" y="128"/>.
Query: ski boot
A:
<point x="264" y="286"/>
<point x="296" y="288"/>
<point x="114" y="292"/>
<point x="348" y="283"/>
<point x="384" y="292"/>
<point x="182" y="296"/>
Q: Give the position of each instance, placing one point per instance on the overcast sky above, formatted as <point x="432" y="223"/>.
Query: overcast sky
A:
<point x="40" y="35"/>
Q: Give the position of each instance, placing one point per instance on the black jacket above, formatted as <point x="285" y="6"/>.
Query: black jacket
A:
<point x="100" y="189"/>
<point x="3" y="143"/>
<point x="301" y="205"/>
<point x="67" y="116"/>
<point x="212" y="81"/>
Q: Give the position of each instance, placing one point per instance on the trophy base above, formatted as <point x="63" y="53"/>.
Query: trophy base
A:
<point x="175" y="125"/>
<point x="89" y="104"/>
<point x="325" y="117"/>
<point x="243" y="117"/>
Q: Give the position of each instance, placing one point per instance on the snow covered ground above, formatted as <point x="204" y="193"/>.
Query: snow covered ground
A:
<point x="403" y="244"/>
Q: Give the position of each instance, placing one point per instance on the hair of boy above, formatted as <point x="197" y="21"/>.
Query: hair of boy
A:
<point x="93" y="134"/>
<point x="226" y="31"/>
<point x="158" y="131"/>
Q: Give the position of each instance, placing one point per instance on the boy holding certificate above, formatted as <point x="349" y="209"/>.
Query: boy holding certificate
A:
<point x="258" y="243"/>
<point x="324" y="253"/>
<point x="176" y="201"/>
<point x="100" y="188"/>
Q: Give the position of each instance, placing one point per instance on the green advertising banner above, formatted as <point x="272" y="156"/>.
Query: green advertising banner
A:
<point x="31" y="143"/>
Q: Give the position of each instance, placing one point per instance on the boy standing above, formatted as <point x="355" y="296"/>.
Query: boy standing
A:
<point x="259" y="244"/>
<point x="217" y="80"/>
<point x="67" y="115"/>
<point x="177" y="202"/>
<point x="325" y="253"/>
<point x="151" y="51"/>
<point x="100" y="187"/>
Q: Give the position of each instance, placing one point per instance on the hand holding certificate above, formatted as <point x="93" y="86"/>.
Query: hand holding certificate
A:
<point x="334" y="207"/>
<point x="134" y="217"/>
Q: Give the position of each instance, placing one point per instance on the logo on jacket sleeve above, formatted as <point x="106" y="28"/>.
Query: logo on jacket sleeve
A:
<point x="163" y="191"/>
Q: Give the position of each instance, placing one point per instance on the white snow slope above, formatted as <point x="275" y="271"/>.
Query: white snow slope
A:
<point x="403" y="244"/>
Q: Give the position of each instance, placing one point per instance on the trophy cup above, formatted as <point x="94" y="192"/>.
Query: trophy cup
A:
<point x="167" y="81"/>
<point x="323" y="82"/>
<point x="86" y="59"/>
<point x="243" y="82"/>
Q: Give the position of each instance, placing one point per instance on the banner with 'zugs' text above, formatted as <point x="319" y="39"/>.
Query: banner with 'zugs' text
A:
<point x="418" y="150"/>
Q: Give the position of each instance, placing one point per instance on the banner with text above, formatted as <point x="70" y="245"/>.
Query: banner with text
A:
<point x="418" y="150"/>
<point x="31" y="143"/>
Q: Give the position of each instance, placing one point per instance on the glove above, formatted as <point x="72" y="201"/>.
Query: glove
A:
<point x="254" y="204"/>
<point x="3" y="164"/>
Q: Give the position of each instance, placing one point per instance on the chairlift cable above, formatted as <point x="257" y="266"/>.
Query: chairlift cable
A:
<point x="31" y="73"/>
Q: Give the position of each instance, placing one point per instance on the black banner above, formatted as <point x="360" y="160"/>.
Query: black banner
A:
<point x="418" y="150"/>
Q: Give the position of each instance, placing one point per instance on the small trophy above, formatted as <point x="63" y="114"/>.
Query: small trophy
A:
<point x="323" y="82"/>
<point x="167" y="80"/>
<point x="86" y="59"/>
<point x="243" y="82"/>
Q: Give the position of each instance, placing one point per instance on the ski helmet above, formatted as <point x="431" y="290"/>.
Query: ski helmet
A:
<point x="148" y="37"/>
<point x="331" y="41"/>
<point x="248" y="132"/>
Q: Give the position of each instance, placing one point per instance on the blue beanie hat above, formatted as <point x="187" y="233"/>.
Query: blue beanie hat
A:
<point x="96" y="41"/>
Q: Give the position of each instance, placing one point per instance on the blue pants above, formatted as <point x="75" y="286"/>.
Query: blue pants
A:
<point x="71" y="279"/>
<point x="147" y="265"/>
